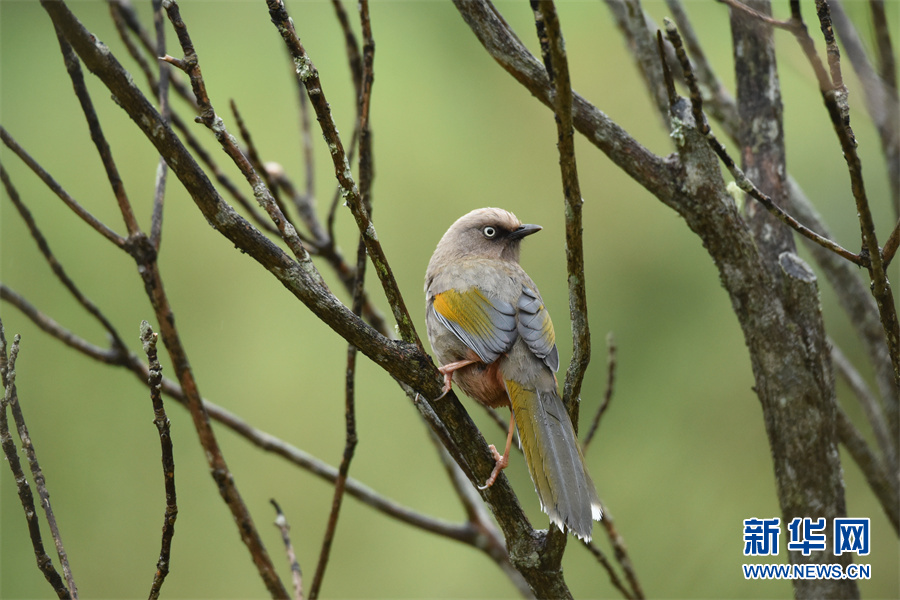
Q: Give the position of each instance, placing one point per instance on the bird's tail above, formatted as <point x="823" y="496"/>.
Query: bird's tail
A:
<point x="554" y="459"/>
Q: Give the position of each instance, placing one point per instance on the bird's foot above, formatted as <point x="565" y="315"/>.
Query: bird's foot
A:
<point x="448" y="370"/>
<point x="501" y="463"/>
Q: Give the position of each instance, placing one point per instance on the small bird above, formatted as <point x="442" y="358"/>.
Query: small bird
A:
<point x="491" y="334"/>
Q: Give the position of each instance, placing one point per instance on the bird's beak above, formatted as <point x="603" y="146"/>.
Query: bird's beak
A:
<point x="524" y="230"/>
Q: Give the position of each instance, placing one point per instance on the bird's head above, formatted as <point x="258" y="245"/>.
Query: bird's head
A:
<point x="485" y="233"/>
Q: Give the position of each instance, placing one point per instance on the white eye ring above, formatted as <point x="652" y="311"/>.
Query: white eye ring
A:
<point x="489" y="232"/>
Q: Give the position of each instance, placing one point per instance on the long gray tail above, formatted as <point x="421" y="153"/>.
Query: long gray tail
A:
<point x="554" y="459"/>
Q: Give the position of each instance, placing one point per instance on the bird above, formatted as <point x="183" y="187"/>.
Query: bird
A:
<point x="493" y="337"/>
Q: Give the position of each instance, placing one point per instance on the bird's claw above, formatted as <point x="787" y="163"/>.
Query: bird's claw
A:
<point x="500" y="463"/>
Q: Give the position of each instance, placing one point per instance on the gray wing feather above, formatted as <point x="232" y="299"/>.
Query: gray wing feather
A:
<point x="492" y="340"/>
<point x="536" y="329"/>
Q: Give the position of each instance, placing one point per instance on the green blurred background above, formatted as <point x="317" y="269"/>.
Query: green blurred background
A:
<point x="681" y="457"/>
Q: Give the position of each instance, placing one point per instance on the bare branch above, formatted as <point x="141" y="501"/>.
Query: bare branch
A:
<point x="148" y="340"/>
<point x="607" y="566"/>
<point x="191" y="66"/>
<point x="558" y="69"/>
<point x="165" y="112"/>
<point x="73" y="66"/>
<point x="855" y="298"/>
<point x="57" y="189"/>
<point x="296" y="574"/>
<point x="740" y="178"/>
<point x="258" y="438"/>
<point x="308" y="74"/>
<point x="260" y="172"/>
<point x="719" y="103"/>
<point x="10" y="397"/>
<point x="40" y="484"/>
<point x="55" y="265"/>
<point x="835" y="102"/>
<point x="621" y="552"/>
<point x="878" y="479"/>
<point x="607" y="394"/>
<point x="879" y="94"/>
<point x="111" y="356"/>
<point x="870" y="406"/>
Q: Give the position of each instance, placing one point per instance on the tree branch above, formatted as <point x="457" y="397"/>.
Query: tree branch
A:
<point x="296" y="574"/>
<point x="10" y="399"/>
<point x="558" y="68"/>
<point x="607" y="394"/>
<point x="148" y="340"/>
<point x="308" y="74"/>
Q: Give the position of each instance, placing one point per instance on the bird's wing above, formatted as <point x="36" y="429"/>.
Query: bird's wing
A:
<point x="536" y="328"/>
<point x="486" y="325"/>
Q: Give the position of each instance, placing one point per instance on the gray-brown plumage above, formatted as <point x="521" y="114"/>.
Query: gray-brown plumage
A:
<point x="492" y="335"/>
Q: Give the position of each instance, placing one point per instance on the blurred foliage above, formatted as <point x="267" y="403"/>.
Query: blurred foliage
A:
<point x="681" y="457"/>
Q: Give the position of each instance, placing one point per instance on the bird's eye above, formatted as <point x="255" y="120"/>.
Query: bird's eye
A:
<point x="489" y="232"/>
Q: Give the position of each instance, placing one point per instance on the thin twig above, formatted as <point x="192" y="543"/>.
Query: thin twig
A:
<point x="284" y="527"/>
<point x="856" y="299"/>
<point x="558" y="69"/>
<point x="833" y="53"/>
<point x="309" y="159"/>
<point x="355" y="61"/>
<point x="719" y="102"/>
<point x="879" y="94"/>
<point x="191" y="66"/>
<point x="557" y="66"/>
<point x="40" y="484"/>
<point x="57" y="189"/>
<point x="350" y="439"/>
<point x="740" y="179"/>
<point x="621" y="552"/>
<point x="10" y="398"/>
<point x="879" y="480"/>
<point x="259" y="168"/>
<point x="162" y="168"/>
<point x="354" y="57"/>
<point x="55" y="265"/>
<point x="608" y="392"/>
<point x="758" y="15"/>
<point x="125" y="19"/>
<point x="73" y="67"/>
<point x="258" y="438"/>
<point x="112" y="356"/>
<point x="871" y="407"/>
<point x="364" y="94"/>
<point x="323" y="246"/>
<point x="840" y="120"/>
<point x="614" y="578"/>
<point x="890" y="246"/>
<point x="308" y="74"/>
<point x="148" y="340"/>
